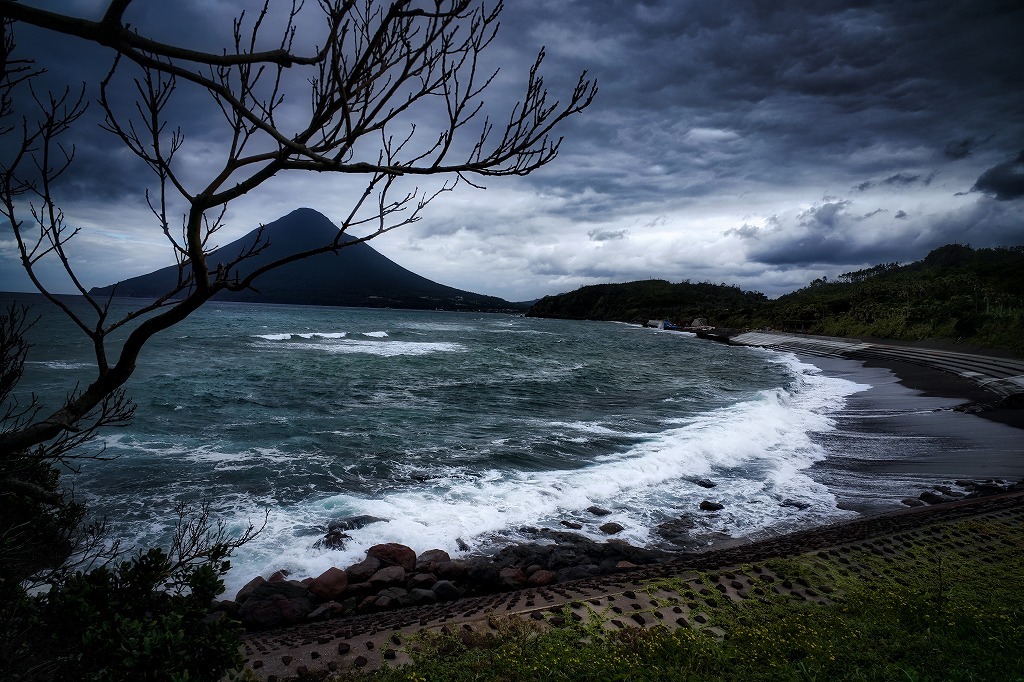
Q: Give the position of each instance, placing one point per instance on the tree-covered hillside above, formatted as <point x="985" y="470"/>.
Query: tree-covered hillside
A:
<point x="956" y="292"/>
<point x="652" y="299"/>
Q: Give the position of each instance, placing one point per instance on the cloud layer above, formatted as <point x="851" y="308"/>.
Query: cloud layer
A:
<point x="757" y="143"/>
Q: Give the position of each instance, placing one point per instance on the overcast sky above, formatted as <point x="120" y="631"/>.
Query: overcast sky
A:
<point x="762" y="144"/>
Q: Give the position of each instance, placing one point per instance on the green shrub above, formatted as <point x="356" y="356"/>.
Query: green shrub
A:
<point x="143" y="620"/>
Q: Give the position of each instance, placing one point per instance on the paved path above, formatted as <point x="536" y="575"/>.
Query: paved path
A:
<point x="1002" y="376"/>
<point x="683" y="593"/>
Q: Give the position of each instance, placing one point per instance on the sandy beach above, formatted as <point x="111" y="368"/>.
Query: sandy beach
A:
<point x="903" y="436"/>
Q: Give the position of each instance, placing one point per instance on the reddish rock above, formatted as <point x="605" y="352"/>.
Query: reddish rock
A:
<point x="541" y="577"/>
<point x="452" y="570"/>
<point x="361" y="572"/>
<point x="611" y="528"/>
<point x="331" y="609"/>
<point x="248" y="588"/>
<point x="422" y="581"/>
<point x="512" y="577"/>
<point x="358" y="589"/>
<point x="388" y="577"/>
<point x="330" y="584"/>
<point x="393" y="554"/>
<point x="278" y="576"/>
<point x="433" y="555"/>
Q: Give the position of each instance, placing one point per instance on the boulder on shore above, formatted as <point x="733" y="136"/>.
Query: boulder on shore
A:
<point x="330" y="584"/>
<point x="276" y="604"/>
<point x="361" y="572"/>
<point x="388" y="576"/>
<point x="394" y="554"/>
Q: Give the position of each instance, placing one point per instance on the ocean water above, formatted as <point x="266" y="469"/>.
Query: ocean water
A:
<point x="457" y="429"/>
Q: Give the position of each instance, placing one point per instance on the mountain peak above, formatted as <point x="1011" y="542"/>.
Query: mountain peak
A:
<point x="356" y="275"/>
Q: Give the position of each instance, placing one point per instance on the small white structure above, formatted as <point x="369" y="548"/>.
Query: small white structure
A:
<point x="657" y="324"/>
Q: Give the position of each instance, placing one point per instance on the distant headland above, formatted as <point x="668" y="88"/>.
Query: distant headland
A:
<point x="956" y="293"/>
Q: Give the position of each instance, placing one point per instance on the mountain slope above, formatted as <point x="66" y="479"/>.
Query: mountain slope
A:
<point x="355" y="276"/>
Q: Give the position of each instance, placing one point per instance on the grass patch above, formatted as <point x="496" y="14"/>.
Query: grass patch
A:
<point x="948" y="613"/>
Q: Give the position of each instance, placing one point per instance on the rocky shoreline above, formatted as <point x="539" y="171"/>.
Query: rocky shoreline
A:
<point x="394" y="576"/>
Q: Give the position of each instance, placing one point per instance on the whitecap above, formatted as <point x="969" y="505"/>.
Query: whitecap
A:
<point x="390" y="349"/>
<point x="756" y="450"/>
<point x="60" y="364"/>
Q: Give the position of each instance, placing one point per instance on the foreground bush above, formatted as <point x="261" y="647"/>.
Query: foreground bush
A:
<point x="145" y="618"/>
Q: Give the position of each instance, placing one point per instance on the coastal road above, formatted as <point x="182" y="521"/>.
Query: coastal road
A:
<point x="1002" y="376"/>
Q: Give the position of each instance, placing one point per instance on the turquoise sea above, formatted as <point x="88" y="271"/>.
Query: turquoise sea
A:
<point x="456" y="429"/>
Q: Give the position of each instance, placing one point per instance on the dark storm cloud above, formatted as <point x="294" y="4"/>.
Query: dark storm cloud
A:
<point x="606" y="235"/>
<point x="960" y="149"/>
<point x="1004" y="181"/>
<point x="901" y="179"/>
<point x="887" y="91"/>
<point x="801" y="86"/>
<point x="753" y="108"/>
<point x="830" y="234"/>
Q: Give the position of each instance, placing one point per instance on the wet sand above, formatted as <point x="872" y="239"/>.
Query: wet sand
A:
<point x="903" y="437"/>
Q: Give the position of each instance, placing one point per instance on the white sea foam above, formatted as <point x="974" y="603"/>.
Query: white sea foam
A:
<point x="60" y="364"/>
<point x="376" y="335"/>
<point x="287" y="336"/>
<point x="756" y="451"/>
<point x="587" y="427"/>
<point x="385" y="349"/>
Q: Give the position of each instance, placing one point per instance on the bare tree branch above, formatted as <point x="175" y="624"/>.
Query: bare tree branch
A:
<point x="385" y="71"/>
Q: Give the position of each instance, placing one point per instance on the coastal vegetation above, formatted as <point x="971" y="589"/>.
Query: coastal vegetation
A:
<point x="652" y="299"/>
<point x="956" y="293"/>
<point x="934" y="614"/>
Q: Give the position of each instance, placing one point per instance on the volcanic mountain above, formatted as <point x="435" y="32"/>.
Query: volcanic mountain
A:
<point x="356" y="275"/>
